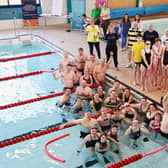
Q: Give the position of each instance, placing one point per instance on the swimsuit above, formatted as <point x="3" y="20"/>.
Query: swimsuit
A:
<point x="135" y="135"/>
<point x="91" y="142"/>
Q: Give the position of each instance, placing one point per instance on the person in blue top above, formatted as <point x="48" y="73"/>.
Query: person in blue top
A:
<point x="125" y="24"/>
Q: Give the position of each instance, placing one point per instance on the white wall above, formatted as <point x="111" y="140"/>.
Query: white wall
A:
<point x="89" y="6"/>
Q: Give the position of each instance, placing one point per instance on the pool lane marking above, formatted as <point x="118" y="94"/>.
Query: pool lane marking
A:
<point x="51" y="141"/>
<point x="27" y="56"/>
<point x="135" y="158"/>
<point x="27" y="74"/>
<point x="33" y="134"/>
<point x="39" y="98"/>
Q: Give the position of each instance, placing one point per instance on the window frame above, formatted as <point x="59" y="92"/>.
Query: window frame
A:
<point x="11" y="6"/>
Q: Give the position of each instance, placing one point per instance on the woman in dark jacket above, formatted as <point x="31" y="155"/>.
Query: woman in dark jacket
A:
<point x="125" y="24"/>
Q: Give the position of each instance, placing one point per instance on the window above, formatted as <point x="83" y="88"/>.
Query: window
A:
<point x="3" y="2"/>
<point x="15" y="2"/>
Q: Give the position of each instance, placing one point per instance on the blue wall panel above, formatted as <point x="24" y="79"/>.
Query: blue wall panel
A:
<point x="78" y="8"/>
<point x="11" y="12"/>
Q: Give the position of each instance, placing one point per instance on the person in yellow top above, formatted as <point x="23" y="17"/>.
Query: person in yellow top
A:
<point x="93" y="38"/>
<point x="137" y="58"/>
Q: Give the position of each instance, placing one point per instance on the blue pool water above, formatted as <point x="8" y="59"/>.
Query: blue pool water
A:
<point x="19" y="120"/>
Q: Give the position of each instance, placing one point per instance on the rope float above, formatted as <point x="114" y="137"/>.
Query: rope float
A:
<point x="26" y="56"/>
<point x="51" y="141"/>
<point x="135" y="158"/>
<point x="26" y="75"/>
<point x="37" y="134"/>
<point x="38" y="99"/>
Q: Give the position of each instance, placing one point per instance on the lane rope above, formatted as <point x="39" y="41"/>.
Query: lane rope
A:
<point x="135" y="158"/>
<point x="39" y="133"/>
<point x="27" y="56"/>
<point x="51" y="141"/>
<point x="39" y="99"/>
<point x="27" y="74"/>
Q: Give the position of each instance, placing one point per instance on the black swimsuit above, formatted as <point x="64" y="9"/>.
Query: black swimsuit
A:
<point x="97" y="105"/>
<point x="135" y="135"/>
<point x="92" y="142"/>
<point x="165" y="58"/>
<point x="130" y="116"/>
<point x="148" y="59"/>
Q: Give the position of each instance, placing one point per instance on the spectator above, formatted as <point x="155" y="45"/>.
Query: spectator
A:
<point x="93" y="38"/>
<point x="132" y="38"/>
<point x="125" y="25"/>
<point x="164" y="38"/>
<point x="111" y="47"/>
<point x="137" y="58"/>
<point x="150" y="34"/>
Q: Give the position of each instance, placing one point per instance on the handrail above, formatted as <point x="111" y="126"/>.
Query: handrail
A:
<point x="51" y="141"/>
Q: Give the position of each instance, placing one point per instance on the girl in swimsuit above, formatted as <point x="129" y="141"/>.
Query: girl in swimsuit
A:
<point x="142" y="109"/>
<point x="113" y="138"/>
<point x="156" y="124"/>
<point x="127" y="96"/>
<point x="165" y="68"/>
<point x="117" y="118"/>
<point x="87" y="77"/>
<point x="145" y="69"/>
<point x="156" y="62"/>
<point x="101" y="92"/>
<point x="134" y="132"/>
<point x="129" y="114"/>
<point x="89" y="141"/>
<point x="96" y="103"/>
<point x="150" y="115"/>
<point x="102" y="149"/>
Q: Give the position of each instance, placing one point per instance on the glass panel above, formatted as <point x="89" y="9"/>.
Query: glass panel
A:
<point x="3" y="2"/>
<point x="15" y="2"/>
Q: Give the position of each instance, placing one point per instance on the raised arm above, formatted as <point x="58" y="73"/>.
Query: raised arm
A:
<point x="56" y="77"/>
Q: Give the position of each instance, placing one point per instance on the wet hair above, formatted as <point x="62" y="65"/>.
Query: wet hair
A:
<point x="80" y="49"/>
<point x="114" y="126"/>
<point x="69" y="65"/>
<point x="158" y="39"/>
<point x="152" y="104"/>
<point x="84" y="15"/>
<point x="159" y="115"/>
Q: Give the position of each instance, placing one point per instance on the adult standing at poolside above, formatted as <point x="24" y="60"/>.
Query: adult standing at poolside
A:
<point x="95" y="14"/>
<point x="93" y="38"/>
<point x="132" y="38"/>
<point x="150" y="34"/>
<point x="125" y="25"/>
<point x="111" y="47"/>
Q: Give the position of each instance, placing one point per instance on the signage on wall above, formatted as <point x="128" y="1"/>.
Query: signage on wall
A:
<point x="30" y="14"/>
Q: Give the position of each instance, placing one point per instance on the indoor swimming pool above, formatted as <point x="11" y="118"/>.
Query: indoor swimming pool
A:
<point x="29" y="118"/>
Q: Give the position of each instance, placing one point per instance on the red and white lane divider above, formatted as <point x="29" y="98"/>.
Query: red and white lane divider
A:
<point x="27" y="74"/>
<point x="51" y="141"/>
<point x="26" y="56"/>
<point x="135" y="158"/>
